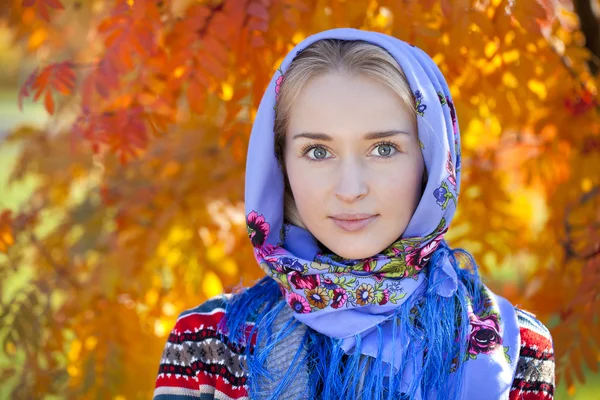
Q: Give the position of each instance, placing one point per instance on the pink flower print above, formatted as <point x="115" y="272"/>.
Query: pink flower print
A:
<point x="485" y="334"/>
<point x="430" y="247"/>
<point x="418" y="258"/>
<point x="412" y="259"/>
<point x="298" y="303"/>
<point x="339" y="298"/>
<point x="368" y="264"/>
<point x="385" y="298"/>
<point x="258" y="228"/>
<point x="300" y="281"/>
<point x="450" y="169"/>
<point x="328" y="283"/>
<point x="452" y="115"/>
<point x="278" y="83"/>
<point x="271" y="253"/>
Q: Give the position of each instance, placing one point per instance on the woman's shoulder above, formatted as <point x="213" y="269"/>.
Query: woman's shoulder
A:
<point x="534" y="329"/>
<point x="534" y="377"/>
<point x="205" y="354"/>
<point x="199" y="360"/>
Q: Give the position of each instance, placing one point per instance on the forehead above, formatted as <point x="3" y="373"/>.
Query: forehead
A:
<point x="342" y="103"/>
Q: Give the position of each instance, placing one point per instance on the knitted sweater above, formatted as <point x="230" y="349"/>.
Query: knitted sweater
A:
<point x="199" y="362"/>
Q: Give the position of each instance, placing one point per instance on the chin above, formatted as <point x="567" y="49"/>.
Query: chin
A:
<point x="355" y="256"/>
<point x="354" y="252"/>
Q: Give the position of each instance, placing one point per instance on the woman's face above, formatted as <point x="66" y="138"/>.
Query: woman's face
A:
<point x="354" y="163"/>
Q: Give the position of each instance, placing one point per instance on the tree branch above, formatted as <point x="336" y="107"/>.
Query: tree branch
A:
<point x="590" y="27"/>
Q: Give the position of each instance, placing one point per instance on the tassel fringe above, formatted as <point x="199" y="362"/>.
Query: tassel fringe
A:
<point x="439" y="335"/>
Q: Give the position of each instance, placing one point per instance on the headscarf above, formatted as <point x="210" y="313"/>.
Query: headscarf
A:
<point x="357" y="302"/>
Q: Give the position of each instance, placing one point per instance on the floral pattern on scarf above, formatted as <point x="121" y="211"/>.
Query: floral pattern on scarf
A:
<point x="342" y="283"/>
<point x="485" y="336"/>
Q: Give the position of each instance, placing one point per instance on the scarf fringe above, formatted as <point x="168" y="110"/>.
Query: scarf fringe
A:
<point x="440" y="334"/>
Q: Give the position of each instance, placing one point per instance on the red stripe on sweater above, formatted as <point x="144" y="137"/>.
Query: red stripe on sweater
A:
<point x="172" y="380"/>
<point x="537" y="346"/>
<point x="533" y="340"/>
<point x="193" y="322"/>
<point x="518" y="395"/>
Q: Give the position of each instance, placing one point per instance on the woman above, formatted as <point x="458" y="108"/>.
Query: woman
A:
<point x="352" y="180"/>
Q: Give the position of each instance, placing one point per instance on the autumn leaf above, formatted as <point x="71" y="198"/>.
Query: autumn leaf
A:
<point x="42" y="6"/>
<point x="6" y="232"/>
<point x="56" y="77"/>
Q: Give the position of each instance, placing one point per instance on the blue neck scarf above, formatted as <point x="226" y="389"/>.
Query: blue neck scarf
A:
<point x="430" y="326"/>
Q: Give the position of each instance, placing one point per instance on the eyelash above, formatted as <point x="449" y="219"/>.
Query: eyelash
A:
<point x="308" y="147"/>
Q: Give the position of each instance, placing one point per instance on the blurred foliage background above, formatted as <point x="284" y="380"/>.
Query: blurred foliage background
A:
<point x="121" y="178"/>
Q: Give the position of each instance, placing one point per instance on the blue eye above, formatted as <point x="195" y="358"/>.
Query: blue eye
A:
<point x="317" y="153"/>
<point x="384" y="150"/>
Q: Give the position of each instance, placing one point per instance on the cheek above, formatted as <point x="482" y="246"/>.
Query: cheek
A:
<point x="401" y="191"/>
<point x="306" y="184"/>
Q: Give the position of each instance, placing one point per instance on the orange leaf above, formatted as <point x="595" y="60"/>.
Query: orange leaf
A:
<point x="6" y="231"/>
<point x="60" y="77"/>
<point x="49" y="102"/>
<point x="24" y="92"/>
<point x="43" y="5"/>
<point x="196" y="96"/>
<point x="258" y="10"/>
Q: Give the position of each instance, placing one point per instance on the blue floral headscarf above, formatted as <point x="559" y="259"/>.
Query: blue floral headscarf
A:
<point x="373" y="307"/>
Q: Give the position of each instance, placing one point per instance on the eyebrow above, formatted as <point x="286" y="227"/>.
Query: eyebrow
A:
<point x="367" y="136"/>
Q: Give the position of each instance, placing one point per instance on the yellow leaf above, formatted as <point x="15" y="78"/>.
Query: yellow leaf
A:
<point x="178" y="73"/>
<point x="37" y="38"/>
<point x="229" y="267"/>
<point x="10" y="349"/>
<point x="160" y="328"/>
<point x="90" y="343"/>
<point x="298" y="37"/>
<point x="510" y="56"/>
<point x="226" y="91"/>
<point x="74" y="351"/>
<point x="211" y="284"/>
<point x="509" y="80"/>
<point x="214" y="254"/>
<point x="170" y="170"/>
<point x="490" y="49"/>
<point x="151" y="297"/>
<point x="538" y="88"/>
<point x="73" y="370"/>
<point x="586" y="185"/>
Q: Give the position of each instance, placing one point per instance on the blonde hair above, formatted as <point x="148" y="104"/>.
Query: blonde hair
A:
<point x="332" y="55"/>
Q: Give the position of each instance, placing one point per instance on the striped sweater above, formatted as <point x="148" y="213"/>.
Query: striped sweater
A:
<point x="198" y="361"/>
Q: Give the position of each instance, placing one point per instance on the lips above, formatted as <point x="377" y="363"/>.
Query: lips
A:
<point x="353" y="222"/>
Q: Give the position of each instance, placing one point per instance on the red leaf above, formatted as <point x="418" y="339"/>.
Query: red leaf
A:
<point x="6" y="231"/>
<point x="196" y="97"/>
<point x="24" y="92"/>
<point x="56" y="4"/>
<point x="43" y="5"/>
<point x="258" y="10"/>
<point x="257" y="41"/>
<point x="49" y="102"/>
<point x="60" y="77"/>
<point x="38" y="93"/>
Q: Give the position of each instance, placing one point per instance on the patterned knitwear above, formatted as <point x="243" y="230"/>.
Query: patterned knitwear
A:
<point x="199" y="360"/>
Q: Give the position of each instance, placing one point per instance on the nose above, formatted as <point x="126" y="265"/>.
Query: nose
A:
<point x="351" y="182"/>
